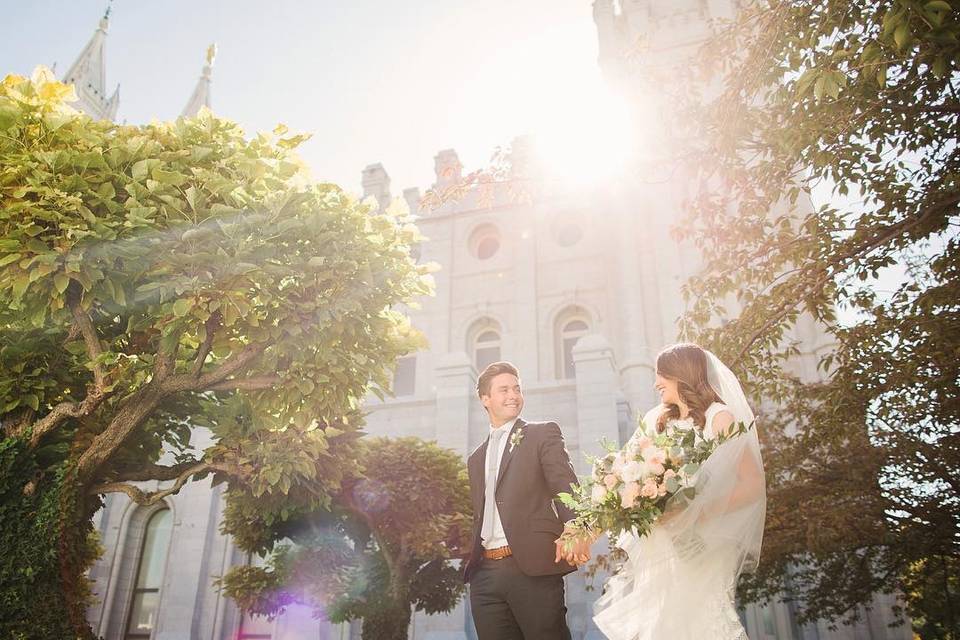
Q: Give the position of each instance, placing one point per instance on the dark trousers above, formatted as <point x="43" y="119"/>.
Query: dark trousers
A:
<point x="507" y="604"/>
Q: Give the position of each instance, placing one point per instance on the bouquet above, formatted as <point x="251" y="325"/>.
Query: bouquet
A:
<point x="629" y="488"/>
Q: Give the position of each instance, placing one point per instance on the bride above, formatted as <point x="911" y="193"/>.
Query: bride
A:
<point x="679" y="581"/>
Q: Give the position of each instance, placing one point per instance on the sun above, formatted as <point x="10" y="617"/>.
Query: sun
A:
<point x="586" y="138"/>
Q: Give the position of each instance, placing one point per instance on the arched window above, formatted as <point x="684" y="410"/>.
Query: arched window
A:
<point x="145" y="604"/>
<point x="404" y="376"/>
<point x="572" y="325"/>
<point x="483" y="342"/>
<point x="486" y="349"/>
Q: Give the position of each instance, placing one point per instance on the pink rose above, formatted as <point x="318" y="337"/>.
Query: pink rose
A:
<point x="662" y="491"/>
<point x="643" y="442"/>
<point x="649" y="489"/>
<point x="656" y="468"/>
<point x="669" y="473"/>
<point x="629" y="494"/>
<point x="610" y="481"/>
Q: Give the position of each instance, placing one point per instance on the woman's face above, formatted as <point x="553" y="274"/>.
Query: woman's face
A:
<point x="667" y="388"/>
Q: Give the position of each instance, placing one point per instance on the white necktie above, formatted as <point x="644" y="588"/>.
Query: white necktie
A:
<point x="490" y="502"/>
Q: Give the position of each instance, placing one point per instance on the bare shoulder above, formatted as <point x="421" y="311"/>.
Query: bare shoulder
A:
<point x="722" y="420"/>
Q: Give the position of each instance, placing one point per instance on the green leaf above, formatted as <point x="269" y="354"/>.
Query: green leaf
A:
<point x="902" y="35"/>
<point x="61" y="282"/>
<point x="31" y="401"/>
<point x="938" y="5"/>
<point x="182" y="307"/>
<point x="882" y="76"/>
<point x="10" y="257"/>
<point x="939" y="67"/>
<point x="9" y="113"/>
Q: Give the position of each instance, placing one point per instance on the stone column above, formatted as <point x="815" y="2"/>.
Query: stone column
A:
<point x="597" y="390"/>
<point x="596" y="397"/>
<point x="456" y="381"/>
<point x="525" y="326"/>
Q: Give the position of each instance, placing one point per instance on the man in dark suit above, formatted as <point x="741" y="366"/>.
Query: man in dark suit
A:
<point x="516" y="568"/>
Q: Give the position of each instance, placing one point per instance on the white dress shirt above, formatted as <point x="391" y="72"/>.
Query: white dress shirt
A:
<point x="499" y="538"/>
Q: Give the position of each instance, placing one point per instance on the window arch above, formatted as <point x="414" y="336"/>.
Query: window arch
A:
<point x="145" y="600"/>
<point x="485" y="343"/>
<point x="485" y="241"/>
<point x="572" y="324"/>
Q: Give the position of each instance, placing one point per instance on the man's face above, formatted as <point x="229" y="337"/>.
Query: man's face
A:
<point x="505" y="400"/>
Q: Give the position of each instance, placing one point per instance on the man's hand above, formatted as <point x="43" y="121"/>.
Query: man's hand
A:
<point x="573" y="547"/>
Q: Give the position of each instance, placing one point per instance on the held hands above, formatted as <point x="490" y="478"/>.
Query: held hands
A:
<point x="573" y="546"/>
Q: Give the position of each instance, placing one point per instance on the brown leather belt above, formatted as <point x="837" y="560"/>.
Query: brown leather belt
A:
<point x="497" y="554"/>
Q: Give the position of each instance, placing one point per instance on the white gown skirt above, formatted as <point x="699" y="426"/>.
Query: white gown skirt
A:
<point x="671" y="589"/>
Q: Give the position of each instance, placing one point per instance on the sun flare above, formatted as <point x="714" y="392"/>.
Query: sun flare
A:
<point x="586" y="139"/>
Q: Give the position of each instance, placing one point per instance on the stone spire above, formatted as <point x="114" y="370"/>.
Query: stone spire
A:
<point x="201" y="94"/>
<point x="376" y="183"/>
<point x="88" y="75"/>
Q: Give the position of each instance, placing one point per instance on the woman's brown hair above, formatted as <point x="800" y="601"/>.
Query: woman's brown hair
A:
<point x="687" y="364"/>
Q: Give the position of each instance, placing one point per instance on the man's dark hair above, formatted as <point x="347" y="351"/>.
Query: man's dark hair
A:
<point x="492" y="371"/>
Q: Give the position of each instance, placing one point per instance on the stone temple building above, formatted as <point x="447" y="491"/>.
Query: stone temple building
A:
<point x="579" y="289"/>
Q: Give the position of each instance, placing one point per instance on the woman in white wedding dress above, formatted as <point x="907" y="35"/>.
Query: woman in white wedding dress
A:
<point x="678" y="583"/>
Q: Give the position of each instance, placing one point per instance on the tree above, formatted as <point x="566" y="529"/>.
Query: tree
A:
<point x="863" y="464"/>
<point x="382" y="551"/>
<point x="159" y="277"/>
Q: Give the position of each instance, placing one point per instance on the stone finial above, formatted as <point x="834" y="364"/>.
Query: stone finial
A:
<point x="376" y="183"/>
<point x="523" y="156"/>
<point x="448" y="168"/>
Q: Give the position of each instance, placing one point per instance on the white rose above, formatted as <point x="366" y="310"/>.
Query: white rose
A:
<point x="632" y="471"/>
<point x="598" y="494"/>
<point x="618" y="463"/>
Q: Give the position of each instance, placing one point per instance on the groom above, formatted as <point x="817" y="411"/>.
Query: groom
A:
<point x="516" y="568"/>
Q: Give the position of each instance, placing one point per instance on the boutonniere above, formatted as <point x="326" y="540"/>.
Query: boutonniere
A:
<point x="515" y="438"/>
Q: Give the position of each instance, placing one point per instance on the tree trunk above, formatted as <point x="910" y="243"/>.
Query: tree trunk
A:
<point x="46" y="537"/>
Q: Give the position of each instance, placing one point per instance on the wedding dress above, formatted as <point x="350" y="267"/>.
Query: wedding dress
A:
<point x="679" y="581"/>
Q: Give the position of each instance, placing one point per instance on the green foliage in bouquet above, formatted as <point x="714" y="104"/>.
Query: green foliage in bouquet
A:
<point x="630" y="488"/>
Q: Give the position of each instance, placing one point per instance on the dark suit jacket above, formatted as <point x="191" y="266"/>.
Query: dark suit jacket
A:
<point x="530" y="477"/>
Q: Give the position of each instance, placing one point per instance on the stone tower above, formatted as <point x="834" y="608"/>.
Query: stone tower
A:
<point x="88" y="75"/>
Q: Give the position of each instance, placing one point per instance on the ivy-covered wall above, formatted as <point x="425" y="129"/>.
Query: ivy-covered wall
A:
<point x="48" y="543"/>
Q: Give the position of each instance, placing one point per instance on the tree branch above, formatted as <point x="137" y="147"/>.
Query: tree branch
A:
<point x="83" y="322"/>
<point x="154" y="472"/>
<point x="236" y="364"/>
<point x="842" y="261"/>
<point x="95" y="395"/>
<point x="254" y="383"/>
<point x="137" y="407"/>
<point x="211" y="325"/>
<point x="143" y="498"/>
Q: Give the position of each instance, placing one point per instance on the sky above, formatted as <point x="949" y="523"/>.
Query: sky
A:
<point x="373" y="81"/>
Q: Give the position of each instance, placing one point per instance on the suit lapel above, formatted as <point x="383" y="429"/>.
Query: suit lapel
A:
<point x="508" y="451"/>
<point x="478" y="461"/>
